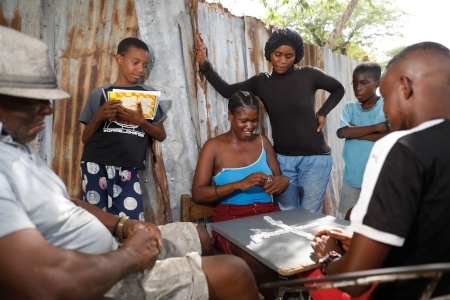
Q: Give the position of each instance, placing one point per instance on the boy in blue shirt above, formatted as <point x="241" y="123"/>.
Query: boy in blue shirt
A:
<point x="362" y="124"/>
<point x="116" y="138"/>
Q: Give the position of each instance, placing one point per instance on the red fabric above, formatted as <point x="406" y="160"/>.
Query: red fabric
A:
<point x="329" y="294"/>
<point x="225" y="212"/>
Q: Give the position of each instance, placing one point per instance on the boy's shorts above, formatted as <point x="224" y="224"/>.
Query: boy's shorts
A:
<point x="176" y="275"/>
<point x="116" y="190"/>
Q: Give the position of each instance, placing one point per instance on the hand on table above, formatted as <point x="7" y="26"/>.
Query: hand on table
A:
<point x="276" y="184"/>
<point x="324" y="244"/>
<point x="325" y="240"/>
<point x="338" y="234"/>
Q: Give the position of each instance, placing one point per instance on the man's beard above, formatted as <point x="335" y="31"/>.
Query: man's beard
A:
<point x="18" y="134"/>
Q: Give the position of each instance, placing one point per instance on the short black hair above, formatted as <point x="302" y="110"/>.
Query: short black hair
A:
<point x="369" y="67"/>
<point x="243" y="99"/>
<point x="129" y="42"/>
<point x="424" y="46"/>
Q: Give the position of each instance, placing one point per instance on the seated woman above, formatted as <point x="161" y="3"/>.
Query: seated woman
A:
<point x="245" y="175"/>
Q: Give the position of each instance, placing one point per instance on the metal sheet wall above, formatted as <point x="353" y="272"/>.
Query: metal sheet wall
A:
<point x="82" y="37"/>
<point x="166" y="26"/>
<point x="86" y="38"/>
<point x="341" y="68"/>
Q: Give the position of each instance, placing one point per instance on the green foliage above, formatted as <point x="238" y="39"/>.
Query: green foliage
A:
<point x="371" y="20"/>
<point x="388" y="55"/>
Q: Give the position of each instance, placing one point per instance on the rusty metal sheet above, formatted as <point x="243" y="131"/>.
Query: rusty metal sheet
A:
<point x="256" y="35"/>
<point x="223" y="35"/>
<point x="86" y="38"/>
<point x="170" y="37"/>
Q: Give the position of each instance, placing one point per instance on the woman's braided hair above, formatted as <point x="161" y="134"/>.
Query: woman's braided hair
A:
<point x="242" y="99"/>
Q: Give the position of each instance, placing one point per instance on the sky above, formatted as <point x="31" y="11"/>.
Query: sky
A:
<point x="429" y="20"/>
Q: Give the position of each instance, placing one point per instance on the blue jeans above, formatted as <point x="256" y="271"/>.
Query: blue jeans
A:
<point x="308" y="180"/>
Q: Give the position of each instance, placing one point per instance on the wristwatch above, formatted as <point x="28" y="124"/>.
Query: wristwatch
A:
<point x="119" y="228"/>
<point x="325" y="261"/>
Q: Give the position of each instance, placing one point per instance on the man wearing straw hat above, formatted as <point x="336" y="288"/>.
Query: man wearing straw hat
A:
<point x="54" y="247"/>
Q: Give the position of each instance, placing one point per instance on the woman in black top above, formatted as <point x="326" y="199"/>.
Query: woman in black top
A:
<point x="288" y="94"/>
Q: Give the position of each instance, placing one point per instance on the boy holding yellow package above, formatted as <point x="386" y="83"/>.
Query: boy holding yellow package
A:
<point x="116" y="137"/>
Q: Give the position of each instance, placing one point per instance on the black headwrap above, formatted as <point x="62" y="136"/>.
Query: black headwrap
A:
<point x="288" y="37"/>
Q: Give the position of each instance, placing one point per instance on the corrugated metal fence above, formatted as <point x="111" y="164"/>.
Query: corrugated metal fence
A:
<point x="83" y="36"/>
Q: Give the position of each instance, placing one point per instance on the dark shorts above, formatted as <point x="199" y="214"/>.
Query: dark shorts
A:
<point x="114" y="189"/>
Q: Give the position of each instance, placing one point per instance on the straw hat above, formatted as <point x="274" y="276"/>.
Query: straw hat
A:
<point x="25" y="68"/>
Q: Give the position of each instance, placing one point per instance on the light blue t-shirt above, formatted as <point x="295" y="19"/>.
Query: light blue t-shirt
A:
<point x="356" y="152"/>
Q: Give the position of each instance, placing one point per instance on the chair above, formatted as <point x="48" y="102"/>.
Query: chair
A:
<point x="431" y="271"/>
<point x="193" y="212"/>
<point x="198" y="213"/>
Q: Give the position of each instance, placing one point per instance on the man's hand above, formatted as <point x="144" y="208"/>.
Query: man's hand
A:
<point x="329" y="239"/>
<point x="338" y="234"/>
<point x="142" y="246"/>
<point x="276" y="184"/>
<point x="321" y="122"/>
<point x="324" y="244"/>
<point x="132" y="226"/>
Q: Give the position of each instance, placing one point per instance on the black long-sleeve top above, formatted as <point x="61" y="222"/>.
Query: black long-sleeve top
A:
<point x="289" y="99"/>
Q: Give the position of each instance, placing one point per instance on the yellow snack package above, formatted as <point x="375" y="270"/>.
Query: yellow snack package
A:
<point x="130" y="99"/>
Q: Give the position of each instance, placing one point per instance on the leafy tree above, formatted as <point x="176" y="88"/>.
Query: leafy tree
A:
<point x="387" y="55"/>
<point x="371" y="20"/>
<point x="273" y="6"/>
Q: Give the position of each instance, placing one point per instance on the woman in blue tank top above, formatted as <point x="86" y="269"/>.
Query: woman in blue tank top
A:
<point x="239" y="172"/>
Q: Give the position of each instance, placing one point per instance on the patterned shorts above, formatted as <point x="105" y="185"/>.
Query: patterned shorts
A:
<point x="114" y="189"/>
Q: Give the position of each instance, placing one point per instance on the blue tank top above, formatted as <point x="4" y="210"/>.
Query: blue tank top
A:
<point x="252" y="195"/>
